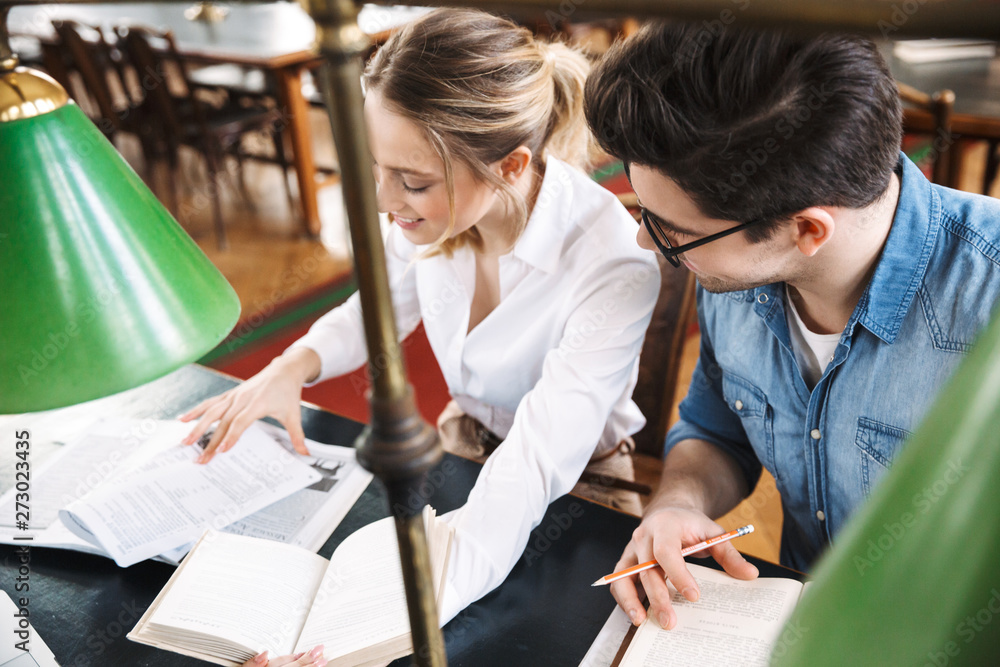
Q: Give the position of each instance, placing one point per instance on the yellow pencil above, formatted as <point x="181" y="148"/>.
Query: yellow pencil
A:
<point x="686" y="551"/>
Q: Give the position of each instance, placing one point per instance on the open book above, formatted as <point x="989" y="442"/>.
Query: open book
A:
<point x="734" y="622"/>
<point x="235" y="596"/>
<point x="126" y="489"/>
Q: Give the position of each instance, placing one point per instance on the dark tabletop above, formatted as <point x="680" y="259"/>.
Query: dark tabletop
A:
<point x="546" y="613"/>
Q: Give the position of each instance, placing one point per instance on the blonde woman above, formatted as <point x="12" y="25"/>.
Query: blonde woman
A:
<point x="525" y="273"/>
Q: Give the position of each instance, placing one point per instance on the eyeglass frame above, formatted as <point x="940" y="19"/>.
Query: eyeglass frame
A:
<point x="663" y="244"/>
<point x="669" y="250"/>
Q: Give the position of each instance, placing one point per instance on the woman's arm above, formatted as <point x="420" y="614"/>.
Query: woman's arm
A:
<point x="556" y="426"/>
<point x="334" y="345"/>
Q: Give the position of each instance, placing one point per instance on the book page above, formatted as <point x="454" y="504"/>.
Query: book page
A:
<point x="23" y="646"/>
<point x="248" y="592"/>
<point x="361" y="602"/>
<point x="168" y="501"/>
<point x="79" y="463"/>
<point x="308" y="517"/>
<point x="733" y="622"/>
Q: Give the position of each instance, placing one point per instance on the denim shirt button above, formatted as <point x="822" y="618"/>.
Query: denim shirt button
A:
<point x="820" y="515"/>
<point x="738" y="404"/>
<point x="815" y="434"/>
<point x="761" y="298"/>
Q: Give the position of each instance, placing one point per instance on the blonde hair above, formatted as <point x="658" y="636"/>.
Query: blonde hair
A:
<point x="480" y="86"/>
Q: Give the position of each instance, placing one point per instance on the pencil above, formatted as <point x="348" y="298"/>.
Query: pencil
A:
<point x="686" y="551"/>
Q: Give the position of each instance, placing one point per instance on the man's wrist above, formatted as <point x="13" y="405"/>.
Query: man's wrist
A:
<point x="674" y="500"/>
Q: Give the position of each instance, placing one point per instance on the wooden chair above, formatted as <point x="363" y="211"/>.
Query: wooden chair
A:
<point x="934" y="117"/>
<point x="100" y="70"/>
<point x="188" y="120"/>
<point x="660" y="360"/>
<point x="992" y="164"/>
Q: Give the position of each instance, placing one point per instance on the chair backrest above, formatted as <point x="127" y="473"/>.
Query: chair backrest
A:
<point x="660" y="360"/>
<point x="89" y="58"/>
<point x="152" y="67"/>
<point x="938" y="107"/>
<point x="662" y="352"/>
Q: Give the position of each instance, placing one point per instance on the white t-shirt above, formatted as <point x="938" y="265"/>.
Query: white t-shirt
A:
<point x="813" y="351"/>
<point x="551" y="370"/>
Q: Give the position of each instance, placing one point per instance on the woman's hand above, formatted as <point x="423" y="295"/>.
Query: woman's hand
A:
<point x="274" y="392"/>
<point x="313" y="658"/>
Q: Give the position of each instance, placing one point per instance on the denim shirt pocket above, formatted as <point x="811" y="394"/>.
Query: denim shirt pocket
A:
<point x="750" y="404"/>
<point x="879" y="444"/>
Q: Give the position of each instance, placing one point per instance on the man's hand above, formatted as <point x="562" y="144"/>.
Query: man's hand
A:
<point x="661" y="536"/>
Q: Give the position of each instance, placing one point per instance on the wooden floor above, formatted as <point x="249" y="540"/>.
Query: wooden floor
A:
<point x="268" y="259"/>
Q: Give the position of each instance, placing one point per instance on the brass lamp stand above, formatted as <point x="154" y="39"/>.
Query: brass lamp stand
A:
<point x="399" y="447"/>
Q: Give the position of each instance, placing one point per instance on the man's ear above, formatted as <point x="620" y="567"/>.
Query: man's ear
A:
<point x="515" y="164"/>
<point x="812" y="228"/>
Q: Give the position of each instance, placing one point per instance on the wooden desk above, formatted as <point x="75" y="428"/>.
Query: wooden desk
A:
<point x="545" y="614"/>
<point x="976" y="115"/>
<point x="975" y="82"/>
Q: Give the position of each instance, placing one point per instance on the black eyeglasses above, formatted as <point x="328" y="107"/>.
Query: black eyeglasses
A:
<point x="668" y="249"/>
<point x="663" y="244"/>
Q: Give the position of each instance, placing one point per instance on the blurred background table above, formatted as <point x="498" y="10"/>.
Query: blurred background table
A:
<point x="272" y="44"/>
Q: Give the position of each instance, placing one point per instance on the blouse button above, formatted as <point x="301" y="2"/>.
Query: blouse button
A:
<point x="738" y="404"/>
<point x="815" y="434"/>
<point x="820" y="515"/>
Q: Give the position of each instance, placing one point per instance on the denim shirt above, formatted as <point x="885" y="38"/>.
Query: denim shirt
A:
<point x="932" y="291"/>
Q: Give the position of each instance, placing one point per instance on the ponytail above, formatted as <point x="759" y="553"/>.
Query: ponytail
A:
<point x="569" y="138"/>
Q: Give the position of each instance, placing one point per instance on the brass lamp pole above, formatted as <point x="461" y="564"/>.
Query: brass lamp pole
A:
<point x="7" y="59"/>
<point x="399" y="447"/>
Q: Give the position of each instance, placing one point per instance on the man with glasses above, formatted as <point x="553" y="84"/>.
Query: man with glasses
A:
<point x="838" y="288"/>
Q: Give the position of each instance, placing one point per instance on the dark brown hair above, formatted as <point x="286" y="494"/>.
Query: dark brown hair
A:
<point x="751" y="124"/>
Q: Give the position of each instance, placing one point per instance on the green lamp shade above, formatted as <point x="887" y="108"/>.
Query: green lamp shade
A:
<point x="914" y="577"/>
<point x="100" y="288"/>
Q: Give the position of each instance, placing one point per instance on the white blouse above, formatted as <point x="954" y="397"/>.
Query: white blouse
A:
<point x="551" y="370"/>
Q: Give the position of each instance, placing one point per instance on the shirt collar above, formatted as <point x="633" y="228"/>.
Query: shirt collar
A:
<point x="542" y="240"/>
<point x="907" y="251"/>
